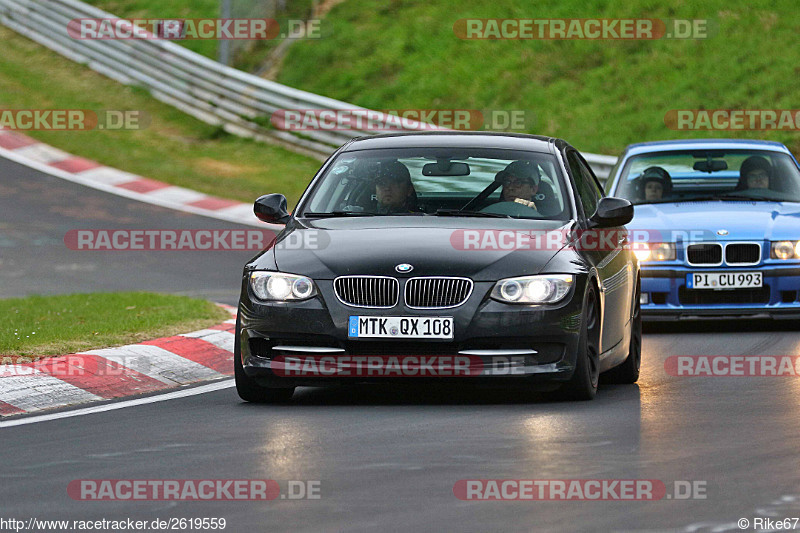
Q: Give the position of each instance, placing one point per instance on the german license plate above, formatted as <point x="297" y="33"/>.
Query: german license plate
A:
<point x="400" y="327"/>
<point x="723" y="280"/>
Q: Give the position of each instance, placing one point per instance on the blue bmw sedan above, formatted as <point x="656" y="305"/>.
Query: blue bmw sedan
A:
<point x="716" y="227"/>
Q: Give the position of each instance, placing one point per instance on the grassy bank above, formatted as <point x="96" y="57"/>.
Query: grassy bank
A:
<point x="600" y="95"/>
<point x="51" y="325"/>
<point x="248" y="56"/>
<point x="174" y="147"/>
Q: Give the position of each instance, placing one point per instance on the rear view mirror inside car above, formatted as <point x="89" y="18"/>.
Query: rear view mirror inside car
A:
<point x="445" y="168"/>
<point x="710" y="165"/>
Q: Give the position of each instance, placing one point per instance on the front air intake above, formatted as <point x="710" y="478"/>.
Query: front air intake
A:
<point x="378" y="292"/>
<point x="437" y="292"/>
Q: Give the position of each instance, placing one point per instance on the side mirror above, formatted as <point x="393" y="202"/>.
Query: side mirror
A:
<point x="612" y="212"/>
<point x="272" y="208"/>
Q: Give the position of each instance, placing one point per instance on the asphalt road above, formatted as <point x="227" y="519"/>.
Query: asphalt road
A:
<point x="37" y="211"/>
<point x="388" y="458"/>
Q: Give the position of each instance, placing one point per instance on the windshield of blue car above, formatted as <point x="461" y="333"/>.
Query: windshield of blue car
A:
<point x="441" y="182"/>
<point x="715" y="175"/>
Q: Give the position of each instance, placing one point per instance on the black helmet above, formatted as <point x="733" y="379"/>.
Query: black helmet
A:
<point x="392" y="171"/>
<point x="522" y="169"/>
<point x="755" y="162"/>
<point x="657" y="174"/>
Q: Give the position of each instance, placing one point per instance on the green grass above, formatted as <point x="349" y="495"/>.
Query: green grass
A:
<point x="600" y="95"/>
<point x="174" y="9"/>
<point x="174" y="148"/>
<point x="51" y="325"/>
<point x="248" y="57"/>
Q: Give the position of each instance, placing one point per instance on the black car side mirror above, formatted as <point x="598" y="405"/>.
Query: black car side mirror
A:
<point x="612" y="212"/>
<point x="272" y="208"/>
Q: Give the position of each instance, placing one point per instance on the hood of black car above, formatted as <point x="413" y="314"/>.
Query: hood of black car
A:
<point x="433" y="246"/>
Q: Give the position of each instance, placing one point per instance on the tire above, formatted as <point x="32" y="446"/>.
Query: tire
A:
<point x="248" y="389"/>
<point x="628" y="372"/>
<point x="583" y="384"/>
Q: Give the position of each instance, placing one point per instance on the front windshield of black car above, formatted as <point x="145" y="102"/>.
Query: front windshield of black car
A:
<point x="696" y="175"/>
<point x="441" y="182"/>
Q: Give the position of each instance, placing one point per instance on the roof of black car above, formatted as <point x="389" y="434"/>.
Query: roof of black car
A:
<point x="466" y="139"/>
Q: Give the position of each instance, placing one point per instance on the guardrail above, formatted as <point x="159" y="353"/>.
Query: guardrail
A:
<point x="238" y="102"/>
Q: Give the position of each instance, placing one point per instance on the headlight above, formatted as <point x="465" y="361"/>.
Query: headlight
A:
<point x="641" y="250"/>
<point x="280" y="286"/>
<point x="659" y="251"/>
<point x="785" y="250"/>
<point x="544" y="289"/>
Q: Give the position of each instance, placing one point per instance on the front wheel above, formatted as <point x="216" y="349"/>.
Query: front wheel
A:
<point x="628" y="372"/>
<point x="247" y="388"/>
<point x="583" y="384"/>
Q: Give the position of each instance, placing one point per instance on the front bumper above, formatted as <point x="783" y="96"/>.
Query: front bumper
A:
<point x="506" y="343"/>
<point x="668" y="298"/>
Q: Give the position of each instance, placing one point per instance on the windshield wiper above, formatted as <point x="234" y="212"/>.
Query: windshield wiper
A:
<point x="740" y="197"/>
<point x="460" y="213"/>
<point x="716" y="197"/>
<point x="332" y="214"/>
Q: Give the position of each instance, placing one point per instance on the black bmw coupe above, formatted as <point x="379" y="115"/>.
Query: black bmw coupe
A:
<point x="443" y="257"/>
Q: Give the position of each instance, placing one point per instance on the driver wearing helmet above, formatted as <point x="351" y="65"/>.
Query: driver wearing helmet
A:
<point x="393" y="189"/>
<point x="755" y="173"/>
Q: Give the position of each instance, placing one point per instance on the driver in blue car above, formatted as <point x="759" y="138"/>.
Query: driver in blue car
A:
<point x="520" y="181"/>
<point x="755" y="173"/>
<point x="393" y="189"/>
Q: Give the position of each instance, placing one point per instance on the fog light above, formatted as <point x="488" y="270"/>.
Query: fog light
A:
<point x="644" y="298"/>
